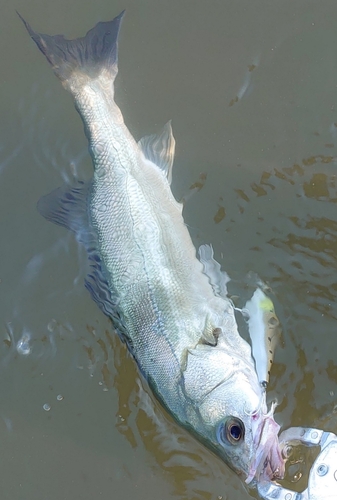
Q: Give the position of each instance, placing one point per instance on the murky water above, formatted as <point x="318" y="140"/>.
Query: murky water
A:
<point x="251" y="88"/>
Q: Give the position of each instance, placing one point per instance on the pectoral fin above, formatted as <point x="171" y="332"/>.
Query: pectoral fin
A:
<point x="67" y="207"/>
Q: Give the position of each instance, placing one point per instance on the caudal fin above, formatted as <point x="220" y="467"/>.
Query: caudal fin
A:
<point x="88" y="56"/>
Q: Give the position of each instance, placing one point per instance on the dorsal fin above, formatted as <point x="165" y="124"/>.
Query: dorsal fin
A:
<point x="159" y="148"/>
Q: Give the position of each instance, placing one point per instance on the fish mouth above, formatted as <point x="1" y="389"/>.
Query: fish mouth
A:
<point x="268" y="463"/>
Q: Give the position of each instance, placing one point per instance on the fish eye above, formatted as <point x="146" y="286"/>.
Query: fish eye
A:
<point x="231" y="431"/>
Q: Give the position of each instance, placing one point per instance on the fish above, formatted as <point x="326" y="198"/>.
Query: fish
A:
<point x="143" y="271"/>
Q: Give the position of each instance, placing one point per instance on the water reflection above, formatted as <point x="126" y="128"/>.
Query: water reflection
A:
<point x="247" y="86"/>
<point x="60" y="154"/>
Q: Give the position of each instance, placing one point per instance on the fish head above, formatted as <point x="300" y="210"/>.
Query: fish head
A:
<point x="234" y="420"/>
<point x="245" y="433"/>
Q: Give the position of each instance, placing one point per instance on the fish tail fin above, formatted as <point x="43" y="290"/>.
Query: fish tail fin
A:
<point x="77" y="61"/>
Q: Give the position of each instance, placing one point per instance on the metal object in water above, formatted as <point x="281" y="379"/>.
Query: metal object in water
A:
<point x="322" y="483"/>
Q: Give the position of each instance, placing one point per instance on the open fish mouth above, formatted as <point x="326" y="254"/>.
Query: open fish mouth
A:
<point x="268" y="463"/>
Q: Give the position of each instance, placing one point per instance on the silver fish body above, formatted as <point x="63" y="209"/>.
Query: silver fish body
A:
<point x="144" y="272"/>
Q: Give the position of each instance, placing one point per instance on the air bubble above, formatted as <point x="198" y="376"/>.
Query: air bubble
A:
<point x="52" y="325"/>
<point x="23" y="347"/>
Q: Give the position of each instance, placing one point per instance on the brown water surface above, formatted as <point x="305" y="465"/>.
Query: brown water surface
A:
<point x="251" y="88"/>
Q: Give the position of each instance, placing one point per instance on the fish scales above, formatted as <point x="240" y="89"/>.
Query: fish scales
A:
<point x="144" y="272"/>
<point x="157" y="290"/>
